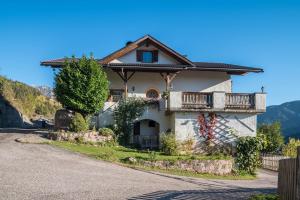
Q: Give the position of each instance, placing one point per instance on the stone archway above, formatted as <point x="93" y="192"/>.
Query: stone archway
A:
<point x="146" y="134"/>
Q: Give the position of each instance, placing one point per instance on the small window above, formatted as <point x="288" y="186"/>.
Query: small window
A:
<point x="115" y="95"/>
<point x="152" y="94"/>
<point x="147" y="57"/>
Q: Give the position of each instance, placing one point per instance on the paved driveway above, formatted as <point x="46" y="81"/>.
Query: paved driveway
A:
<point x="38" y="171"/>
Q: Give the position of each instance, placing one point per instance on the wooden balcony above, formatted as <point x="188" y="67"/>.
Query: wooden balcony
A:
<point x="197" y="100"/>
<point x="240" y="101"/>
<point x="217" y="101"/>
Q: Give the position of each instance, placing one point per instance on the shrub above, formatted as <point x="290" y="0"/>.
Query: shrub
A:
<point x="265" y="197"/>
<point x="128" y="110"/>
<point x="290" y="149"/>
<point x="169" y="144"/>
<point x="106" y="132"/>
<point x="187" y="145"/>
<point x="78" y="123"/>
<point x="248" y="154"/>
<point x="152" y="156"/>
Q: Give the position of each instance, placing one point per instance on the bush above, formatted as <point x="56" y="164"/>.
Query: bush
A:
<point x="187" y="146"/>
<point x="169" y="144"/>
<point x="128" y="110"/>
<point x="106" y="132"/>
<point x="290" y="149"/>
<point x="78" y="123"/>
<point x="247" y="159"/>
<point x="264" y="197"/>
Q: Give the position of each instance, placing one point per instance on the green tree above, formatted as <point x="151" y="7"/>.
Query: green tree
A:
<point x="290" y="149"/>
<point x="272" y="135"/>
<point x="82" y="86"/>
<point x="128" y="110"/>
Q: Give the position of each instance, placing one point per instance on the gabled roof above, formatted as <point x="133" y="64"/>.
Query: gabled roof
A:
<point x="185" y="64"/>
<point x="147" y="39"/>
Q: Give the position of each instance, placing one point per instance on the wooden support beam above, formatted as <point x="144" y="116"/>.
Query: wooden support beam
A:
<point x="124" y="76"/>
<point x="168" y="77"/>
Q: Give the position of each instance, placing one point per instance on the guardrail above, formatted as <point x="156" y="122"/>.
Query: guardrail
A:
<point x="240" y="101"/>
<point x="197" y="100"/>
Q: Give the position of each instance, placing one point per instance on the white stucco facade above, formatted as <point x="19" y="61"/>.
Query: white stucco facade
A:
<point x="184" y="123"/>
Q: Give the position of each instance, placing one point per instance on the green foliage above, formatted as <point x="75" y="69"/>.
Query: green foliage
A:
<point x="169" y="144"/>
<point x="78" y="123"/>
<point x="106" y="132"/>
<point x="248" y="148"/>
<point x="152" y="156"/>
<point x="28" y="100"/>
<point x="82" y="86"/>
<point x="290" y="149"/>
<point x="128" y="110"/>
<point x="272" y="136"/>
<point x="187" y="146"/>
<point x="264" y="197"/>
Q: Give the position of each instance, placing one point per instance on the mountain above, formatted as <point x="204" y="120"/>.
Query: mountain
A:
<point x="27" y="100"/>
<point x="288" y="114"/>
<point x="46" y="91"/>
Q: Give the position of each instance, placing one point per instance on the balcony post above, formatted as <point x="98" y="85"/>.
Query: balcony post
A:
<point x="175" y="100"/>
<point x="260" y="102"/>
<point x="219" y="99"/>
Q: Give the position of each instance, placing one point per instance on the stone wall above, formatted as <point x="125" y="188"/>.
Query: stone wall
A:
<point x="217" y="167"/>
<point x="10" y="117"/>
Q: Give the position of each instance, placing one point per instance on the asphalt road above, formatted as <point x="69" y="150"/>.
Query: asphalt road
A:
<point x="40" y="171"/>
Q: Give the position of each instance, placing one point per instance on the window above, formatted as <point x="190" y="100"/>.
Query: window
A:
<point x="147" y="56"/>
<point x="152" y="94"/>
<point x="115" y="95"/>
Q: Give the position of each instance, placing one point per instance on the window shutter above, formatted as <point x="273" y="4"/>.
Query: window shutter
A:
<point x="139" y="55"/>
<point x="155" y="56"/>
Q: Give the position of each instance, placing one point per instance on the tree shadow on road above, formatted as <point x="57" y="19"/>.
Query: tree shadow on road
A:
<point x="211" y="194"/>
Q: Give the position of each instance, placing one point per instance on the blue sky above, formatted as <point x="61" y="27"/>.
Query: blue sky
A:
<point x="252" y="33"/>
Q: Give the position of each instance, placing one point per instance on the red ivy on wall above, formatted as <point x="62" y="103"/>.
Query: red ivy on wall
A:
<point x="207" y="127"/>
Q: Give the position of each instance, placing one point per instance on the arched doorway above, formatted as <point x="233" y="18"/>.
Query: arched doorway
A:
<point x="146" y="134"/>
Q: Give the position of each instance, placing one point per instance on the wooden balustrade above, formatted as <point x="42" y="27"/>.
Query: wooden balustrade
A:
<point x="197" y="100"/>
<point x="240" y="101"/>
<point x="204" y="100"/>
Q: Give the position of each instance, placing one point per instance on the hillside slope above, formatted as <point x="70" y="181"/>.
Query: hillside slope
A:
<point x="27" y="100"/>
<point x="288" y="114"/>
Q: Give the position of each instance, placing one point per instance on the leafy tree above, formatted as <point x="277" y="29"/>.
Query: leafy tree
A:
<point x="272" y="135"/>
<point x="128" y="110"/>
<point x="82" y="86"/>
<point x="290" y="149"/>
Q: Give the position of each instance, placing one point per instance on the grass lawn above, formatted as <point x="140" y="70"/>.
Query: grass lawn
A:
<point x="265" y="197"/>
<point x="118" y="154"/>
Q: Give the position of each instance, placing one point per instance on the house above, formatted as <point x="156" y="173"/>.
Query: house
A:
<point x="193" y="99"/>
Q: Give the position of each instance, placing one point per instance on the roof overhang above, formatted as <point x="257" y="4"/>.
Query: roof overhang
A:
<point x="146" y="67"/>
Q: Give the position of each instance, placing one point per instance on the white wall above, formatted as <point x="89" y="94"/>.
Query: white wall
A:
<point x="131" y="57"/>
<point x="154" y="113"/>
<point x="186" y="124"/>
<point x="185" y="81"/>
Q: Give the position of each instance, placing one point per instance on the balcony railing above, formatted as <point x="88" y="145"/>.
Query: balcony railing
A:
<point x="197" y="100"/>
<point x="240" y="101"/>
<point x="216" y="101"/>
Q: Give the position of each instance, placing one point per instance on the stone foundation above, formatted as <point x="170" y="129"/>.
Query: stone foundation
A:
<point x="217" y="167"/>
<point x="89" y="136"/>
